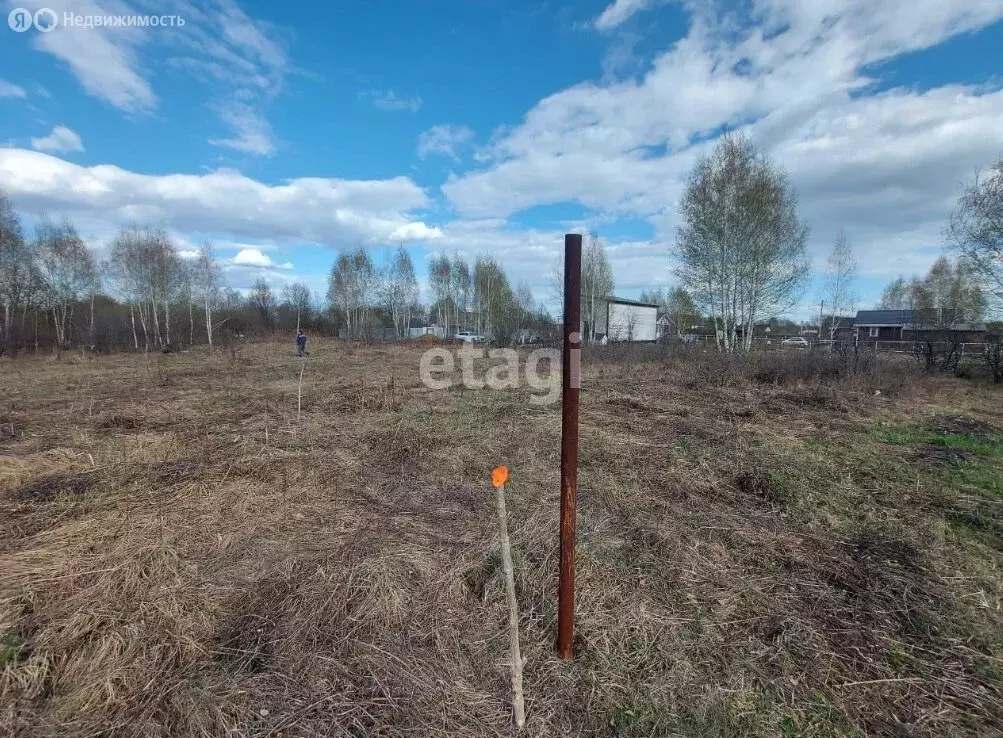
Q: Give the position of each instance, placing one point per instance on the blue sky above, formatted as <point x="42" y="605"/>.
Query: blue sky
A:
<point x="284" y="132"/>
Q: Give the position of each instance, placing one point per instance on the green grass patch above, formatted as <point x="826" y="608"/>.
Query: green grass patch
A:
<point x="988" y="446"/>
<point x="981" y="472"/>
<point x="10" y="646"/>
<point x="980" y="475"/>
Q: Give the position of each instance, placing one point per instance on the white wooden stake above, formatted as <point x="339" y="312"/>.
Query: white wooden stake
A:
<point x="513" y="612"/>
<point x="299" y="395"/>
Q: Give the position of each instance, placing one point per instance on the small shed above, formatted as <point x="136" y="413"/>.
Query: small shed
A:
<point x="628" y="320"/>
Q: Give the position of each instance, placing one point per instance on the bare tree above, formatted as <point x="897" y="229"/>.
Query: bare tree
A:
<point x="440" y="281"/>
<point x="67" y="270"/>
<point x="350" y="288"/>
<point x="975" y="231"/>
<point x="165" y="279"/>
<point x="942" y="302"/>
<point x="840" y="275"/>
<point x="296" y="297"/>
<point x="676" y="305"/>
<point x="597" y="283"/>
<point x="186" y="294"/>
<point x="896" y="295"/>
<point x="127" y="270"/>
<point x="262" y="300"/>
<point x="16" y="270"/>
<point x="460" y="287"/>
<point x="741" y="247"/>
<point x="494" y="303"/>
<point x="400" y="291"/>
<point x="207" y="284"/>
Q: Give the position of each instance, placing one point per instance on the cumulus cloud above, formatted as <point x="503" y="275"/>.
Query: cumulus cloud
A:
<point x="61" y="140"/>
<point x="443" y="139"/>
<point x="415" y="232"/>
<point x="256" y="258"/>
<point x="307" y="209"/>
<point x="798" y="78"/>
<point x="9" y="89"/>
<point x="389" y="100"/>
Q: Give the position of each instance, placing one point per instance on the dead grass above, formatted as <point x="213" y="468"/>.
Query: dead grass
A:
<point x="179" y="556"/>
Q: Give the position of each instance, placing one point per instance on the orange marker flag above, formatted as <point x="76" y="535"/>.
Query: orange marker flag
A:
<point x="499" y="476"/>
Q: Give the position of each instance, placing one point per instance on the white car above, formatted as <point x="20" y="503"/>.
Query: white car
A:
<point x="795" y="342"/>
<point x="468" y="337"/>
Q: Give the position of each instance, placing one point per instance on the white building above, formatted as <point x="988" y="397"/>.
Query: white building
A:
<point x="627" y="320"/>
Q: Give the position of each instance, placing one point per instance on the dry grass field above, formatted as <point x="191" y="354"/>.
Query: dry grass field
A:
<point x="183" y="552"/>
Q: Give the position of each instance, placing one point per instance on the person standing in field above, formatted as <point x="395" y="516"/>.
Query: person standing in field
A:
<point x="301" y="343"/>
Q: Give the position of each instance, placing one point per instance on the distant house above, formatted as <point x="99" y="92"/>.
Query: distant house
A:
<point x="913" y="325"/>
<point x="881" y="325"/>
<point x="627" y="320"/>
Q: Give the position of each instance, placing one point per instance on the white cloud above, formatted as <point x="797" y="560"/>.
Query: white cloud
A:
<point x="253" y="135"/>
<point x="219" y="45"/>
<point x="797" y="77"/>
<point x="443" y="139"/>
<point x="389" y="100"/>
<point x="326" y="211"/>
<point x="256" y="258"/>
<point x="415" y="232"/>
<point x="619" y="11"/>
<point x="9" y="89"/>
<point x="104" y="60"/>
<point x="61" y="140"/>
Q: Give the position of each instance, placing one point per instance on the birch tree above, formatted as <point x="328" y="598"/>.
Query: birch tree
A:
<point x="127" y="269"/>
<point x="839" y="278"/>
<point x="741" y="247"/>
<point x="597" y="283"/>
<point x="896" y="295"/>
<point x="67" y="270"/>
<point x="440" y="282"/>
<point x="16" y="271"/>
<point x="208" y="283"/>
<point x="350" y="288"/>
<point x="461" y="287"/>
<point x="400" y="291"/>
<point x="165" y="271"/>
<point x="975" y="232"/>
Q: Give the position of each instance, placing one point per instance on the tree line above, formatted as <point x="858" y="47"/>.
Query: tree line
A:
<point x="478" y="298"/>
<point x="741" y="248"/>
<point x="145" y="295"/>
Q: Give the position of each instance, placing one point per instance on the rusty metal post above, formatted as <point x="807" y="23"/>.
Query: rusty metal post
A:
<point x="570" y="387"/>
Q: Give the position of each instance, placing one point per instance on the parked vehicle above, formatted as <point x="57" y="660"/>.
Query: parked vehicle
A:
<point x="469" y="337"/>
<point x="799" y="342"/>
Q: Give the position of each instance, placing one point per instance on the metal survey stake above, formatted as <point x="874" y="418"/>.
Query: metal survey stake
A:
<point x="570" y="386"/>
